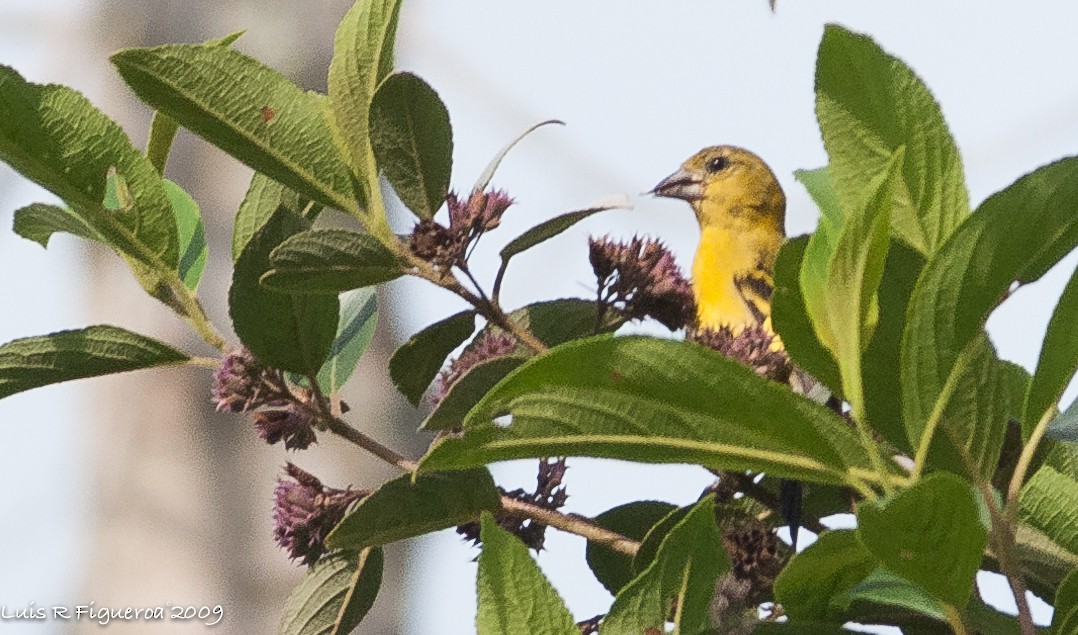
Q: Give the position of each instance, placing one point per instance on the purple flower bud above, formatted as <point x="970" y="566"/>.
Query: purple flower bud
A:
<point x="288" y="421"/>
<point x="306" y="511"/>
<point x="753" y="347"/>
<point x="642" y="279"/>
<point x="238" y="384"/>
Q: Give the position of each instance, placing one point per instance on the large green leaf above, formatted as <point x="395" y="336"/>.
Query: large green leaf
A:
<point x="841" y="272"/>
<point x="632" y="520"/>
<point x="833" y="564"/>
<point x="286" y="331"/>
<point x="53" y="136"/>
<point x="412" y="141"/>
<point x="1059" y="356"/>
<point x="515" y="598"/>
<point x="870" y="104"/>
<point x="31" y="362"/>
<point x="791" y="320"/>
<point x="559" y="321"/>
<point x="406" y="507"/>
<point x="1008" y="239"/>
<point x="335" y="595"/>
<point x="248" y="110"/>
<point x="681" y="577"/>
<point x="362" y="58"/>
<point x="930" y="534"/>
<point x="355" y="330"/>
<point x="416" y="363"/>
<point x="328" y="261"/>
<point x="659" y="401"/>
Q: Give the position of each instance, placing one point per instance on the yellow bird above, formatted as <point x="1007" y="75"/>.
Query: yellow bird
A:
<point x="742" y="214"/>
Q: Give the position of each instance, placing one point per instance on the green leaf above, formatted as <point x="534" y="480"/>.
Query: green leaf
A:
<point x="657" y="401"/>
<point x="56" y="138"/>
<point x="515" y="598"/>
<point x="264" y="196"/>
<point x="412" y="141"/>
<point x="791" y="319"/>
<point x="870" y="104"/>
<point x="684" y="571"/>
<point x="1007" y="239"/>
<point x="840" y="275"/>
<point x="1059" y="356"/>
<point x="328" y="261"/>
<point x="833" y="564"/>
<point x="970" y="420"/>
<point x="492" y="167"/>
<point x="362" y="59"/>
<point x="883" y="588"/>
<point x="248" y="110"/>
<point x="31" y="362"/>
<point x="1049" y="503"/>
<point x="930" y="534"/>
<point x="1065" y="618"/>
<point x="285" y="331"/>
<point x="335" y="595"/>
<point x="355" y="330"/>
<point x="416" y="363"/>
<point x="192" y="234"/>
<point x="405" y="508"/>
<point x="632" y="520"/>
<point x="880" y="362"/>
<point x="467" y="390"/>
<point x="548" y="229"/>
<point x="38" y="222"/>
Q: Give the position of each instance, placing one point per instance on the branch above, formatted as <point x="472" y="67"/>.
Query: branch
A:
<point x="572" y="524"/>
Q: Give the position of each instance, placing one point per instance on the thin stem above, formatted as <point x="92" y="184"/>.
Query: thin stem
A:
<point x="496" y="292"/>
<point x="1001" y="541"/>
<point x="1025" y="459"/>
<point x="341" y="428"/>
<point x="196" y="316"/>
<point x="204" y="362"/>
<point x="855" y="395"/>
<point x="572" y="524"/>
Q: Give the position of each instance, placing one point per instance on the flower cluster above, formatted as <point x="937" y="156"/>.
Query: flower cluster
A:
<point x="280" y="412"/>
<point x="446" y="247"/>
<point x="753" y="346"/>
<point x="305" y="511"/>
<point x="549" y="493"/>
<point x="489" y="345"/>
<point x="641" y="279"/>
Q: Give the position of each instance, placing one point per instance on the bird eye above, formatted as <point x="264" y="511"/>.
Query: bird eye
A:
<point x="717" y="164"/>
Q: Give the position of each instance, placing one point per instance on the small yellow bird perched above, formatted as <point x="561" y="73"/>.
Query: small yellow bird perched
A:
<point x="742" y="214"/>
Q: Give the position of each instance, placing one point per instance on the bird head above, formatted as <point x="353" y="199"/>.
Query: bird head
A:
<point x="725" y="184"/>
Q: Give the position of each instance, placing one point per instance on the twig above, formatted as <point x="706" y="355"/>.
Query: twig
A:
<point x="572" y="524"/>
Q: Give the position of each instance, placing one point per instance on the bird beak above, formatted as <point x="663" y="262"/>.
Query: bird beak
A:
<point x="681" y="184"/>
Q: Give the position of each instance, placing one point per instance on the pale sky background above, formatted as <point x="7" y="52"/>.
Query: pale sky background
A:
<point x="641" y="86"/>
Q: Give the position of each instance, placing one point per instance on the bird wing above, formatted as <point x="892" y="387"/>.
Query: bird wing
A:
<point x="755" y="287"/>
